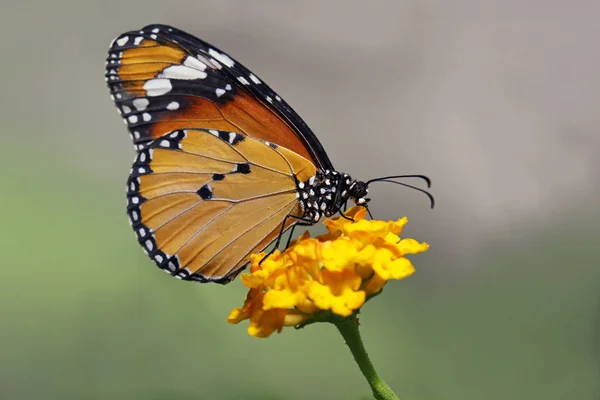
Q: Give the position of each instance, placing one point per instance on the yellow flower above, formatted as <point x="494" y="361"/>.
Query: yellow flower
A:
<point x="326" y="276"/>
<point x="339" y="292"/>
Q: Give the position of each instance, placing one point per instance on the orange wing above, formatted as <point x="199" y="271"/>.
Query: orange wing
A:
<point x="163" y="79"/>
<point x="200" y="201"/>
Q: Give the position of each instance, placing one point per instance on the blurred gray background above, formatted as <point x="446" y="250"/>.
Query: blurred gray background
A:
<point x="497" y="101"/>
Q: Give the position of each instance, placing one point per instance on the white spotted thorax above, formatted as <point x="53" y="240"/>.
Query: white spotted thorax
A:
<point x="326" y="192"/>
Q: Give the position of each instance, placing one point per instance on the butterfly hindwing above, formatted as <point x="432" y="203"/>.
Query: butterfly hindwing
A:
<point x="200" y="201"/>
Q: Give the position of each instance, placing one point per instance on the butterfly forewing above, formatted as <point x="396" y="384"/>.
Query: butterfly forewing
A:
<point x="163" y="79"/>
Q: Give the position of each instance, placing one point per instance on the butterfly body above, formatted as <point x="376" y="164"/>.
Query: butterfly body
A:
<point x="223" y="165"/>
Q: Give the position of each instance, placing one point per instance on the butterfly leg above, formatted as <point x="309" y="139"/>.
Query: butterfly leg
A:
<point x="304" y="222"/>
<point x="292" y="232"/>
<point x="337" y="201"/>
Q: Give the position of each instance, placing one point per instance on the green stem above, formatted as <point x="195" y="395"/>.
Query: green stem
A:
<point x="348" y="327"/>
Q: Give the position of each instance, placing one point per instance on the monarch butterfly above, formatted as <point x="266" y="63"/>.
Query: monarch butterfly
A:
<point x="223" y="165"/>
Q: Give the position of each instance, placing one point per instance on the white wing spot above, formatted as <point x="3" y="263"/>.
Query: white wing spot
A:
<point x="136" y="134"/>
<point x="173" y="135"/>
<point x="141" y="170"/>
<point x="147" y="117"/>
<point x="126" y="109"/>
<point x="193" y="62"/>
<point x="134" y="215"/>
<point x="255" y="79"/>
<point x="231" y="137"/>
<point x="182" y="72"/>
<point x="155" y="30"/>
<point x="215" y="63"/>
<point x="277" y="98"/>
<point x="149" y="245"/>
<point x="243" y="80"/>
<point x="213" y="132"/>
<point x="135" y="200"/>
<point x="220" y="92"/>
<point x="228" y="87"/>
<point x="158" y="258"/>
<point x="153" y="36"/>
<point x="269" y="99"/>
<point x="157" y="87"/>
<point x="141" y="104"/>
<point x="165" y="143"/>
<point x="123" y="40"/>
<point x="138" y="40"/>
<point x="142" y="232"/>
<point x="173" y="106"/>
<point x="224" y="58"/>
<point x="119" y="95"/>
<point x="132" y="119"/>
<point x="142" y="157"/>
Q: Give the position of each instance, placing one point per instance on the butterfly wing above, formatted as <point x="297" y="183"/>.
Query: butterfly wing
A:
<point x="200" y="201"/>
<point x="163" y="79"/>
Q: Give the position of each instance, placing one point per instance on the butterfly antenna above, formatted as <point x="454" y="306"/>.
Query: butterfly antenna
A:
<point x="423" y="177"/>
<point x="389" y="179"/>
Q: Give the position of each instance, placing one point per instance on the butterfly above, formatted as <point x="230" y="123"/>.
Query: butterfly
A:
<point x="224" y="166"/>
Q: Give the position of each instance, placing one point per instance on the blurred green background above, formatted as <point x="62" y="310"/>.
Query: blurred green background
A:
<point x="495" y="100"/>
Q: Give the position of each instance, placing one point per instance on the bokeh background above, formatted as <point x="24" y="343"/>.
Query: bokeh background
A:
<point x="497" y="101"/>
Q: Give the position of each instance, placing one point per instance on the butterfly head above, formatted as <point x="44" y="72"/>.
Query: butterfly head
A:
<point x="358" y="191"/>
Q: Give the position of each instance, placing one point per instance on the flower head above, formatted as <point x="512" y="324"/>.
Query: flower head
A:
<point x="325" y="276"/>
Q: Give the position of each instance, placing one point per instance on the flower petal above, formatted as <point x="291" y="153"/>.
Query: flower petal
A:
<point x="338" y="293"/>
